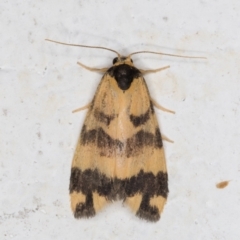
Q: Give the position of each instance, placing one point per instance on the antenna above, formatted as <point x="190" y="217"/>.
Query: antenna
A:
<point x="119" y="56"/>
<point x="77" y="45"/>
<point x="166" y="54"/>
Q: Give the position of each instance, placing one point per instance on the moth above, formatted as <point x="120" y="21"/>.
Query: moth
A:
<point x="119" y="154"/>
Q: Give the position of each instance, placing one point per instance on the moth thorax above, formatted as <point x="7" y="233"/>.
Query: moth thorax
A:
<point x="124" y="74"/>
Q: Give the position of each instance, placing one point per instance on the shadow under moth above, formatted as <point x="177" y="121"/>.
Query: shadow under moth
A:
<point x="119" y="154"/>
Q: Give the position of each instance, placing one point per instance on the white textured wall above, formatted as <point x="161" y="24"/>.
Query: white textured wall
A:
<point x="40" y="84"/>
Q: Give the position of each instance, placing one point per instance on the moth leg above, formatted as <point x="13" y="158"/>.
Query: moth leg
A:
<point x="102" y="70"/>
<point x="155" y="104"/>
<point x="167" y="139"/>
<point x="153" y="70"/>
<point x="82" y="108"/>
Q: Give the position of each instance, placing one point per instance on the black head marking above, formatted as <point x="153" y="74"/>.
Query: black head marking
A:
<point x="116" y="59"/>
<point x="124" y="75"/>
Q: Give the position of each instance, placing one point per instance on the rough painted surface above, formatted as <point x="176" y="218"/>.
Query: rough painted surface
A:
<point x="41" y="84"/>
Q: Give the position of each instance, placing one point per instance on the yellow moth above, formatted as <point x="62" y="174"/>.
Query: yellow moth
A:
<point x="119" y="154"/>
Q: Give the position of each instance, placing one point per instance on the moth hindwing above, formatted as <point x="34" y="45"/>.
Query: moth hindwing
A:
<point x="119" y="154"/>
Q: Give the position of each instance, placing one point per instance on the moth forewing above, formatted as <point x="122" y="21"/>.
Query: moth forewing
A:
<point x="120" y="154"/>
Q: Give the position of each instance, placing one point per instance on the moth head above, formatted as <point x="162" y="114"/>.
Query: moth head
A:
<point x="122" y="60"/>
